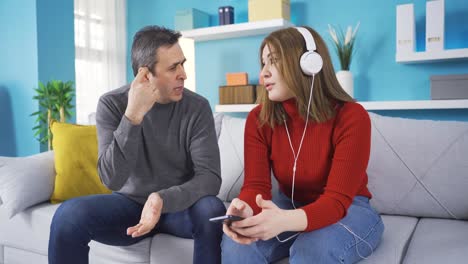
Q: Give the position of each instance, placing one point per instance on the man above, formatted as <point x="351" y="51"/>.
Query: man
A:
<point x="158" y="153"/>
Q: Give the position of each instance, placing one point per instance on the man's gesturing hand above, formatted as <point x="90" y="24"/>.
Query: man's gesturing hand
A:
<point x="141" y="97"/>
<point x="149" y="216"/>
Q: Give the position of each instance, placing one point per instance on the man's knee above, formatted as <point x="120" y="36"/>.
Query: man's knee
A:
<point x="209" y="206"/>
<point x="69" y="218"/>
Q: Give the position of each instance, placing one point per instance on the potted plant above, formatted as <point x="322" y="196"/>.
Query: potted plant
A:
<point x="344" y="47"/>
<point x="54" y="104"/>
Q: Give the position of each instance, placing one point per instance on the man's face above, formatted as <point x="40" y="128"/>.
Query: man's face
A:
<point x="169" y="74"/>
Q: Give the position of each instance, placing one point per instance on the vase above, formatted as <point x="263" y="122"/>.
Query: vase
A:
<point x="345" y="78"/>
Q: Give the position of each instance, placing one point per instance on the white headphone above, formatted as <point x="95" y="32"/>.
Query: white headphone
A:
<point x="311" y="64"/>
<point x="311" y="61"/>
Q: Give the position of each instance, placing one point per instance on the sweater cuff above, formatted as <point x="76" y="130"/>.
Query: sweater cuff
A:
<point x="127" y="130"/>
<point x="322" y="213"/>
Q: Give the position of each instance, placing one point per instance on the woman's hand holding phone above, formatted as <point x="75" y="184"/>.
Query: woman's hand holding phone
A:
<point x="242" y="209"/>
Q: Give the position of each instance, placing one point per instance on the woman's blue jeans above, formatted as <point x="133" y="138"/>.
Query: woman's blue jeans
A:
<point x="331" y="244"/>
<point x="105" y="218"/>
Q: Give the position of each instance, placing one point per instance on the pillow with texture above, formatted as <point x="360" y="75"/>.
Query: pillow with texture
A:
<point x="25" y="181"/>
<point x="76" y="155"/>
<point x="231" y="148"/>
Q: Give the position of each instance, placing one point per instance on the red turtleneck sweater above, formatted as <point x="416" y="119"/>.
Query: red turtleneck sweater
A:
<point x="331" y="168"/>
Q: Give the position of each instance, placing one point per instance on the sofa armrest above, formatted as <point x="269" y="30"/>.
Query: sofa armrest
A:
<point x="26" y="181"/>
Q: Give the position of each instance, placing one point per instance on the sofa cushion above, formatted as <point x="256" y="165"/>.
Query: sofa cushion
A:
<point x="218" y="120"/>
<point x="76" y="157"/>
<point x="438" y="241"/>
<point x="395" y="240"/>
<point x="231" y="145"/>
<point x="19" y="256"/>
<point x="25" y="181"/>
<point x="419" y="167"/>
<point x="170" y="249"/>
<point x="29" y="231"/>
<point x="105" y="254"/>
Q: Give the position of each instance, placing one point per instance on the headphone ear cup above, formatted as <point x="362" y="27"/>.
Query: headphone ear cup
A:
<point x="311" y="63"/>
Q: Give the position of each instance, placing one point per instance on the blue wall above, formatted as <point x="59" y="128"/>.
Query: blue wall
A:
<point x="18" y="77"/>
<point x="56" y="43"/>
<point x="377" y="76"/>
<point x="37" y="43"/>
<point x="56" y="40"/>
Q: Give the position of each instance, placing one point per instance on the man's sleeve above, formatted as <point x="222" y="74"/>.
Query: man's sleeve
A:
<point x="204" y="152"/>
<point x="117" y="144"/>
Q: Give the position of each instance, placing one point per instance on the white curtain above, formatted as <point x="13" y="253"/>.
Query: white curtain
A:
<point x="100" y="52"/>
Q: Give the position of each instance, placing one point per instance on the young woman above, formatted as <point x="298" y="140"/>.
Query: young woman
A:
<point x="316" y="140"/>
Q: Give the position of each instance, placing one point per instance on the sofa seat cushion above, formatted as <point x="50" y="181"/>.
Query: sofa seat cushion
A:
<point x="395" y="240"/>
<point x="171" y="249"/>
<point x="29" y="231"/>
<point x="439" y="241"/>
<point x="105" y="254"/>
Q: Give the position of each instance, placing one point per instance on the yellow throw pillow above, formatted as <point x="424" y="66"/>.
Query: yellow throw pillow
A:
<point x="76" y="151"/>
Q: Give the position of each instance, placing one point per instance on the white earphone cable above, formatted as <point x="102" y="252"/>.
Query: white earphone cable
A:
<point x="296" y="156"/>
<point x="298" y="152"/>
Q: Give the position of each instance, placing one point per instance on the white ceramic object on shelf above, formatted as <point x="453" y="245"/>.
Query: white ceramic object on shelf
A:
<point x="345" y="78"/>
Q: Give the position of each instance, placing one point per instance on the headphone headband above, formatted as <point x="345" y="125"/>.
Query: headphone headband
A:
<point x="309" y="39"/>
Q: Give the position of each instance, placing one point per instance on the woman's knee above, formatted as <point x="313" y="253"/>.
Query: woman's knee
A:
<point x="321" y="246"/>
<point x="233" y="252"/>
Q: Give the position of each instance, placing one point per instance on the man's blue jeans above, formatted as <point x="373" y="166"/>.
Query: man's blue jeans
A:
<point x="331" y="244"/>
<point x="105" y="218"/>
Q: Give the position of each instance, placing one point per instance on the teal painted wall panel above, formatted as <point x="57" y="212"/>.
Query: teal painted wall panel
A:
<point x="37" y="43"/>
<point x="56" y="43"/>
<point x="18" y="77"/>
<point x="377" y="77"/>
<point x="56" y="40"/>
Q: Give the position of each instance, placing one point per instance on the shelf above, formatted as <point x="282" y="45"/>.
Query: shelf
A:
<point x="233" y="108"/>
<point x="377" y="105"/>
<point x="236" y="30"/>
<point x="432" y="56"/>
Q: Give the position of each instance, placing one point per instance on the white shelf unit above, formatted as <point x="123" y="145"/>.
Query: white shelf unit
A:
<point x="417" y="57"/>
<point x="236" y="30"/>
<point x="377" y="105"/>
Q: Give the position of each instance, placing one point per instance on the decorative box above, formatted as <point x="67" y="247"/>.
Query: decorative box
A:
<point x="268" y="9"/>
<point x="237" y="94"/>
<point x="237" y="78"/>
<point x="190" y="18"/>
<point x="449" y="86"/>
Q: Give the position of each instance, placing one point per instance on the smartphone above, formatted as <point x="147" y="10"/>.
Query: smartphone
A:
<point x="228" y="219"/>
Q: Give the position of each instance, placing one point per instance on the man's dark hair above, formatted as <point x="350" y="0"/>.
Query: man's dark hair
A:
<point x="145" y="44"/>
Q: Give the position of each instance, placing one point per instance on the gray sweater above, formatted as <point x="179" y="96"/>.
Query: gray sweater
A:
<point x="173" y="151"/>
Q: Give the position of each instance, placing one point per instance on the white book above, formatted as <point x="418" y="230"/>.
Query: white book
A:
<point x="435" y="25"/>
<point x="405" y="29"/>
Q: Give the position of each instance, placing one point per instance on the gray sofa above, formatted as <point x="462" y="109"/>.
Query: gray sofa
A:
<point x="418" y="174"/>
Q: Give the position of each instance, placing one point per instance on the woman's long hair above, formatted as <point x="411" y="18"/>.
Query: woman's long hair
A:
<point x="288" y="45"/>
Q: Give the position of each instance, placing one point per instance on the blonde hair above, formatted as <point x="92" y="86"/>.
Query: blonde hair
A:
<point x="288" y="46"/>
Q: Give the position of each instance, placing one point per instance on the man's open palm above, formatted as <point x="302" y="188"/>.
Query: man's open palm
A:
<point x="149" y="216"/>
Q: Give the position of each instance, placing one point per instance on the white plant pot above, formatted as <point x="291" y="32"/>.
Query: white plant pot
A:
<point x="345" y="78"/>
